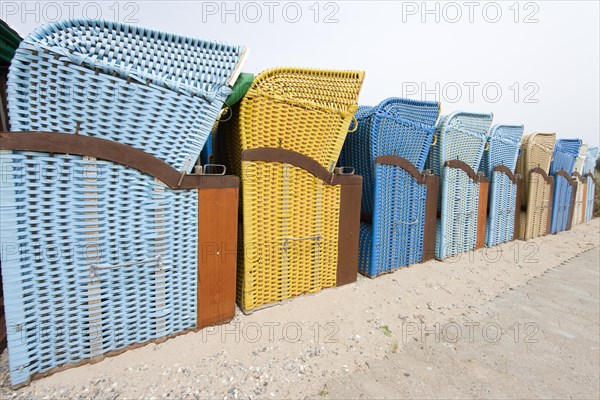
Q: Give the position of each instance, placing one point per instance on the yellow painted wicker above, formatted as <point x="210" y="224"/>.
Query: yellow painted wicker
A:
<point x="534" y="165"/>
<point x="308" y="111"/>
<point x="290" y="221"/>
<point x="291" y="216"/>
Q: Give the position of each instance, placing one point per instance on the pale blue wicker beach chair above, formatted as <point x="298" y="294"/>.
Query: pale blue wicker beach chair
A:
<point x="561" y="168"/>
<point x="389" y="150"/>
<point x="588" y="174"/>
<point x="498" y="165"/>
<point x="155" y="91"/>
<point x="101" y="227"/>
<point x="455" y="158"/>
<point x="88" y="266"/>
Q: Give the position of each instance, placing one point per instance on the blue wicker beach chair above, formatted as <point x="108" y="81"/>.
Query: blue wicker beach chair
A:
<point x="580" y="188"/>
<point x="155" y="91"/>
<point x="590" y="182"/>
<point x="455" y="158"/>
<point x="106" y="242"/>
<point x="498" y="165"/>
<point x="389" y="150"/>
<point x="565" y="153"/>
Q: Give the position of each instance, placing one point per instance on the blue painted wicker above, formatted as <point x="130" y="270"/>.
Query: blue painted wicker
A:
<point x="561" y="203"/>
<point x="589" y="199"/>
<point x="462" y="137"/>
<point x="589" y="167"/>
<point x="399" y="127"/>
<point x="96" y="257"/>
<point x="457" y="227"/>
<point x="503" y="149"/>
<point x="590" y="161"/>
<point x="392" y="199"/>
<point x="155" y="91"/>
<point x="500" y="225"/>
<point x="565" y="154"/>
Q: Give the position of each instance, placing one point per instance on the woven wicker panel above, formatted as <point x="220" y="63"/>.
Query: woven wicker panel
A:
<point x="103" y="257"/>
<point x="457" y="227"/>
<point x="396" y="237"/>
<point x="503" y="148"/>
<point x="398" y="127"/>
<point x="590" y="161"/>
<point x="460" y="136"/>
<point x="536" y="151"/>
<point x="580" y="160"/>
<point x="501" y="217"/>
<point x="578" y="208"/>
<point x="565" y="153"/>
<point x="590" y="187"/>
<point x="561" y="205"/>
<point x="290" y="234"/>
<point x="305" y="110"/>
<point x="152" y="90"/>
<point x="534" y="221"/>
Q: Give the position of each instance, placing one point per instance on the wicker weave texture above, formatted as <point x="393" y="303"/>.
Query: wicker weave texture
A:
<point x="290" y="234"/>
<point x="534" y="221"/>
<point x="589" y="198"/>
<point x="152" y="90"/>
<point x="580" y="160"/>
<point x="536" y="151"/>
<point x="564" y="156"/>
<point x="103" y="257"/>
<point x="578" y="207"/>
<point x="457" y="226"/>
<point x="398" y="221"/>
<point x="503" y="148"/>
<point x="307" y="111"/>
<point x="502" y="203"/>
<point x="399" y="127"/>
<point x="590" y="161"/>
<point x="561" y="205"/>
<point x="460" y="136"/>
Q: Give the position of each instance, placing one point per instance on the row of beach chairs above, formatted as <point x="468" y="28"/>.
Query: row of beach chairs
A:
<point x="148" y="185"/>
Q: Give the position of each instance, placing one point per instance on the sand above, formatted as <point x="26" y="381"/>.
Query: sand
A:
<point x="337" y="343"/>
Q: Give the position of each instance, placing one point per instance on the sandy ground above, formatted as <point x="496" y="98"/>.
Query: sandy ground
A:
<point x="519" y="320"/>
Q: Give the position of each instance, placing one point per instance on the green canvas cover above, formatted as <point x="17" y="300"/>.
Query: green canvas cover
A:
<point x="9" y="41"/>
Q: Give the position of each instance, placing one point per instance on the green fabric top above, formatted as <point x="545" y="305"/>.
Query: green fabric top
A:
<point x="9" y="41"/>
<point x="242" y="84"/>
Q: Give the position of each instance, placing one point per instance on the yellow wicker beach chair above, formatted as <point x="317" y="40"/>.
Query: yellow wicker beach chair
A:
<point x="300" y="218"/>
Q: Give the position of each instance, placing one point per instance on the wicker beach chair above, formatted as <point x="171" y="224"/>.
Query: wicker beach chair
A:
<point x="536" y="201"/>
<point x="580" y="190"/>
<point x="300" y="218"/>
<point x="155" y="91"/>
<point x="456" y="158"/>
<point x="561" y="168"/>
<point x="105" y="245"/>
<point x="498" y="165"/>
<point x="389" y="150"/>
<point x="590" y="183"/>
<point x="105" y="248"/>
